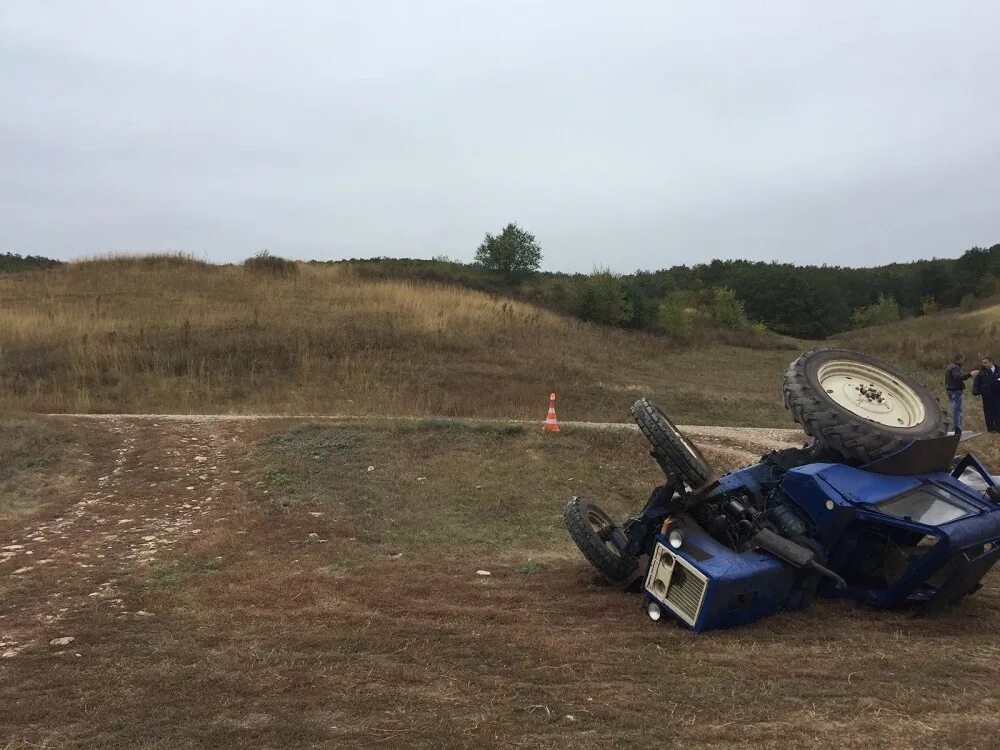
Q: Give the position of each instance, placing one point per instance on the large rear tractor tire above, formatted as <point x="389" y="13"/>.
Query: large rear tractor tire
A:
<point x="858" y="406"/>
<point x="675" y="453"/>
<point x="599" y="539"/>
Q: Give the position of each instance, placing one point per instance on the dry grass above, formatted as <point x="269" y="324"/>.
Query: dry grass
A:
<point x="928" y="342"/>
<point x="39" y="461"/>
<point x="326" y="605"/>
<point x="172" y="334"/>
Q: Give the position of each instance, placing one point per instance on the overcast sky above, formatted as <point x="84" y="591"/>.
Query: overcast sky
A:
<point x="622" y="134"/>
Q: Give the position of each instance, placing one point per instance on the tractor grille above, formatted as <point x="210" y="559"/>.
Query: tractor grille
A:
<point x="685" y="592"/>
<point x="677" y="584"/>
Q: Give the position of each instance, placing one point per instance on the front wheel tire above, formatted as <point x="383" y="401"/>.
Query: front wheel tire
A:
<point x="599" y="538"/>
<point x="672" y="450"/>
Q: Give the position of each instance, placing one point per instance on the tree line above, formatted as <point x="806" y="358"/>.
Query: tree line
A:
<point x="801" y="301"/>
<point x="14" y="263"/>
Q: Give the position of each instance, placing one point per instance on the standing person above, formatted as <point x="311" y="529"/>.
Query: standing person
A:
<point x="987" y="385"/>
<point x="954" y="383"/>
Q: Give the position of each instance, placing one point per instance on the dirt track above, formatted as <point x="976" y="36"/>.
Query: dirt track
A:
<point x="742" y="443"/>
<point x="165" y="483"/>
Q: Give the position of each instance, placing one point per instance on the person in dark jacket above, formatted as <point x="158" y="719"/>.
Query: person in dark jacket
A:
<point x="954" y="384"/>
<point x="987" y="385"/>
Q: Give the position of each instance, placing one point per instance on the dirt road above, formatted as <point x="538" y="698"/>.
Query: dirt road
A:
<point x="163" y="481"/>
<point x="744" y="443"/>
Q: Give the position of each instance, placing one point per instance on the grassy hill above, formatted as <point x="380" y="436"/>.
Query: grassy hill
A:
<point x="171" y="334"/>
<point x="927" y="343"/>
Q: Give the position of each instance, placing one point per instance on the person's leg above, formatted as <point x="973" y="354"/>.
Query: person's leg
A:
<point x="993" y="422"/>
<point x="956" y="409"/>
<point x="988" y="412"/>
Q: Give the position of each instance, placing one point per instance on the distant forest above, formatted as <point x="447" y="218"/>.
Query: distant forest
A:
<point x="801" y="301"/>
<point x="13" y="263"/>
<point x="729" y="295"/>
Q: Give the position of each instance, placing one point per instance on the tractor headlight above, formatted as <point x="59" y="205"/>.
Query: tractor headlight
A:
<point x="654" y="611"/>
<point x="676" y="538"/>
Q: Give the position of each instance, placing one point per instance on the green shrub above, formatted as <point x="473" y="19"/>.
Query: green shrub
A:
<point x="726" y="309"/>
<point x="672" y="318"/>
<point x="603" y="297"/>
<point x="265" y="263"/>
<point x="929" y="305"/>
<point x="883" y="310"/>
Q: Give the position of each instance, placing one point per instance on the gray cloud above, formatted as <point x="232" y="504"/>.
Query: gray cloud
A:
<point x="629" y="135"/>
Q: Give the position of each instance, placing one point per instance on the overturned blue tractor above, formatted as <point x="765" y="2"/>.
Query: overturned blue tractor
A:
<point x="876" y="508"/>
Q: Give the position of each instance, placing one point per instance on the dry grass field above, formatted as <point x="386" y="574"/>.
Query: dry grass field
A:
<point x="926" y="344"/>
<point x="170" y="334"/>
<point x="251" y="583"/>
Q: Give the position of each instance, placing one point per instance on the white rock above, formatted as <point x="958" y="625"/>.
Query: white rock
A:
<point x="64" y="641"/>
<point x="200" y="459"/>
<point x="483" y="573"/>
<point x="371" y="468"/>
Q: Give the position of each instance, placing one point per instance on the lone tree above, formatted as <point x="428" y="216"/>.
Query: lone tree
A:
<point x="514" y="253"/>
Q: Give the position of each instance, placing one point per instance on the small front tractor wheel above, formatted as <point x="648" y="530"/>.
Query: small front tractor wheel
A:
<point x="675" y="453"/>
<point x="599" y="538"/>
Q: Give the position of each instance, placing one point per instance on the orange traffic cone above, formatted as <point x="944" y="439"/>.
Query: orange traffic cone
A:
<point x="551" y="423"/>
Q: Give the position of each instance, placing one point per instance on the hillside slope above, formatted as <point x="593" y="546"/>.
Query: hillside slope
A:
<point x="170" y="334"/>
<point x="927" y="343"/>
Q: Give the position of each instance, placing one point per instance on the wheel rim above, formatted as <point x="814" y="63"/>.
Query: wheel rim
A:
<point x="603" y="527"/>
<point x="871" y="393"/>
